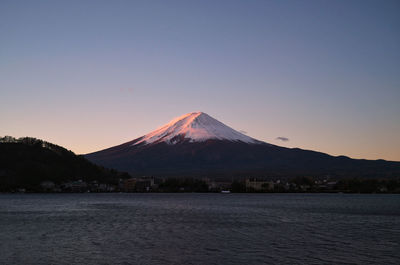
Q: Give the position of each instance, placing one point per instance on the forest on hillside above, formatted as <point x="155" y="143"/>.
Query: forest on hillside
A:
<point x="27" y="162"/>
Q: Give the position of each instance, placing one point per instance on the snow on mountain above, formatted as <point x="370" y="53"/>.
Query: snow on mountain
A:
<point x="194" y="127"/>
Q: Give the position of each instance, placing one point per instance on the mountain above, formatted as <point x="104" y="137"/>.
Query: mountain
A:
<point x="196" y="144"/>
<point x="26" y="162"/>
<point x="194" y="127"/>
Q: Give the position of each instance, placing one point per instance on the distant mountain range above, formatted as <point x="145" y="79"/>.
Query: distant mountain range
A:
<point x="198" y="145"/>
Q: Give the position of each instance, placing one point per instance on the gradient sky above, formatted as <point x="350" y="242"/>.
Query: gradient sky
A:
<point x="92" y="74"/>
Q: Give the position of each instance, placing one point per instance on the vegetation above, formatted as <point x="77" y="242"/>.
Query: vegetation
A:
<point x="356" y="185"/>
<point x="238" y="186"/>
<point x="26" y="162"/>
<point x="183" y="185"/>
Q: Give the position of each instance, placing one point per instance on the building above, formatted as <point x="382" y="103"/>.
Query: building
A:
<point x="144" y="184"/>
<point x="47" y="186"/>
<point x="259" y="185"/>
<point x="129" y="185"/>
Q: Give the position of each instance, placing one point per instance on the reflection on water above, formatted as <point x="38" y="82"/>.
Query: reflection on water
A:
<point x="199" y="229"/>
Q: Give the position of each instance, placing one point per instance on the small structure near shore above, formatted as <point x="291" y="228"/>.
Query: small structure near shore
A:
<point x="259" y="185"/>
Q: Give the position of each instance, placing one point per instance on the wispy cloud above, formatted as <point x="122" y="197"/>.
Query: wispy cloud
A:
<point x="281" y="138"/>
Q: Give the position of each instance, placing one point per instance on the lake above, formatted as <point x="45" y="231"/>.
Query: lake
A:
<point x="199" y="228"/>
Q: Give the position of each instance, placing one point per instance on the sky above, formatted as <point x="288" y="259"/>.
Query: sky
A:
<point x="319" y="75"/>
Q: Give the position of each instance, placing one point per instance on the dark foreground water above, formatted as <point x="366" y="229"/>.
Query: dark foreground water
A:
<point x="199" y="229"/>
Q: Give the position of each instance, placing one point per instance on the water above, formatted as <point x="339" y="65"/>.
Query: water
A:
<point x="199" y="229"/>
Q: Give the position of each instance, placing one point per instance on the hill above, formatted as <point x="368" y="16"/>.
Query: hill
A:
<point x="26" y="162"/>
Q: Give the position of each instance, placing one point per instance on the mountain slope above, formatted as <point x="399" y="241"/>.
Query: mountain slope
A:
<point x="195" y="144"/>
<point x="26" y="162"/>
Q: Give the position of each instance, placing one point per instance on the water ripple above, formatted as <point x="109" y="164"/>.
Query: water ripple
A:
<point x="199" y="229"/>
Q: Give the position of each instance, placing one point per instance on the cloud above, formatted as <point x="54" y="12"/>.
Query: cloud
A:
<point x="281" y="138"/>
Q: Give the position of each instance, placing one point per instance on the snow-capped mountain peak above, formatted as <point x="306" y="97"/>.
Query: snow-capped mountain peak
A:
<point x="194" y="127"/>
